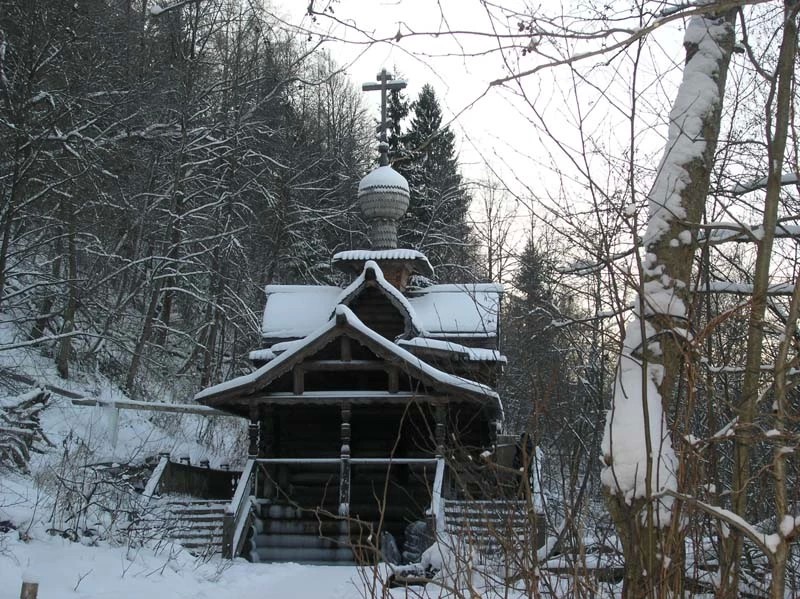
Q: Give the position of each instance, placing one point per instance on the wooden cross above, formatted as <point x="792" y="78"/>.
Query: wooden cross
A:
<point x="385" y="84"/>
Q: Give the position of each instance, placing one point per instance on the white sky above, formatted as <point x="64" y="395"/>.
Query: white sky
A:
<point x="497" y="127"/>
<point x="458" y="80"/>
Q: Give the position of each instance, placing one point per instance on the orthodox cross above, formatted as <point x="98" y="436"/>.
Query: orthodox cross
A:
<point x="385" y="84"/>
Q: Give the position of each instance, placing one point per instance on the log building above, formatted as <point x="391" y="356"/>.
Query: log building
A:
<point x="359" y="396"/>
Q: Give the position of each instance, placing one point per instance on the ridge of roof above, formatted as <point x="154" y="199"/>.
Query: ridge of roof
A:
<point x="373" y="272"/>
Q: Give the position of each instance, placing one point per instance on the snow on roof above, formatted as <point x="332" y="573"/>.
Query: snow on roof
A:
<point x="294" y="311"/>
<point x="353" y="321"/>
<point x="383" y="177"/>
<point x="469" y="310"/>
<point x="395" y="254"/>
<point x="372" y="269"/>
<point x="262" y="355"/>
<point x="472" y="354"/>
<point x="419" y="260"/>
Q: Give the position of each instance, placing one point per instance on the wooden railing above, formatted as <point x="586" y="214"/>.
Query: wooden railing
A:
<point x="437" y="507"/>
<point x="238" y="513"/>
<point x="155" y="479"/>
<point x="344" y="482"/>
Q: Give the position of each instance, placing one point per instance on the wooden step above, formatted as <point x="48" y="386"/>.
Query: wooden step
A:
<point x="310" y="541"/>
<point x="304" y="555"/>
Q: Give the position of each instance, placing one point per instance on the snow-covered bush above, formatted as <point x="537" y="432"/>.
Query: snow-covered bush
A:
<point x="20" y="430"/>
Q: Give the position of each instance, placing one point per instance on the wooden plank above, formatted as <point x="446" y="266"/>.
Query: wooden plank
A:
<point x="346" y="365"/>
<point x="347" y="350"/>
<point x="151" y="406"/>
<point x="335" y="398"/>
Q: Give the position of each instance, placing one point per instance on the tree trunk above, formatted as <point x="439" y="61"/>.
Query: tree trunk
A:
<point x="144" y="337"/>
<point x="779" y="105"/>
<point x="654" y="351"/>
<point x="65" y="343"/>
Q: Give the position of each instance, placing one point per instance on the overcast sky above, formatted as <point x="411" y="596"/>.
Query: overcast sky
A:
<point x="494" y="126"/>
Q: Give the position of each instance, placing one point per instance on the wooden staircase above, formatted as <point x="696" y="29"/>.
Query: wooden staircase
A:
<point x="284" y="533"/>
<point x="494" y="527"/>
<point x="195" y="523"/>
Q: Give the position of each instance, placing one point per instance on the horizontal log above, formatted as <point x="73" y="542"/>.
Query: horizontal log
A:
<point x="345" y="365"/>
<point x="150" y="406"/>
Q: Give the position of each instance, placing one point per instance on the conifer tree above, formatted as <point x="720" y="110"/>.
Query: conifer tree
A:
<point x="436" y="222"/>
<point x="532" y="378"/>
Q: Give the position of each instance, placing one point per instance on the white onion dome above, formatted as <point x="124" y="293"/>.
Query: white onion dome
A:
<point x="383" y="198"/>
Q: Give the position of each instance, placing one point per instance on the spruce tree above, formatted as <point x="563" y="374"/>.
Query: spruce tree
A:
<point x="533" y="381"/>
<point x="436" y="221"/>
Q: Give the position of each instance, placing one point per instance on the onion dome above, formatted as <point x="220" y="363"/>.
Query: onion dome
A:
<point x="383" y="198"/>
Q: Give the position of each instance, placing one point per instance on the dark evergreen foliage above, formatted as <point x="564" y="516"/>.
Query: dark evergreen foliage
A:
<point x="437" y="220"/>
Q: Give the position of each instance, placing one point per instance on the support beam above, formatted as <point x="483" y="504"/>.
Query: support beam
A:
<point x="265" y="436"/>
<point x="299" y="380"/>
<point x="252" y="433"/>
<point x="340" y="365"/>
<point x="394" y="380"/>
<point x="344" y="470"/>
<point x="440" y="432"/>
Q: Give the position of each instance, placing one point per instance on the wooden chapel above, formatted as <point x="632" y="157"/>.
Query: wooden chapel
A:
<point x="359" y="395"/>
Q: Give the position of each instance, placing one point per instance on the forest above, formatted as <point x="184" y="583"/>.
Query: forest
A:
<point x="162" y="162"/>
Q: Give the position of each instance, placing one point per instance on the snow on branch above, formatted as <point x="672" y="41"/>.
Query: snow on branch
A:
<point x="730" y="287"/>
<point x="767" y="543"/>
<point x="157" y="9"/>
<point x="739" y="188"/>
<point x="698" y="97"/>
<point x="640" y="462"/>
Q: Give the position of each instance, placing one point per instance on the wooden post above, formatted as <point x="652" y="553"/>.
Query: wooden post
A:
<point x="227" y="535"/>
<point x="29" y="590"/>
<point x="440" y="417"/>
<point x="252" y="432"/>
<point x="266" y="449"/>
<point x="299" y="383"/>
<point x="344" y="470"/>
<point x="394" y="380"/>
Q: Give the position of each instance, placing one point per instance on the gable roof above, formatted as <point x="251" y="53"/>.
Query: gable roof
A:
<point x="468" y="310"/>
<point x="345" y="322"/>
<point x="448" y="311"/>
<point x="372" y="276"/>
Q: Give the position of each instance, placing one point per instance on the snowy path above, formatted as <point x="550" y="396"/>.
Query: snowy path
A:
<point x="106" y="572"/>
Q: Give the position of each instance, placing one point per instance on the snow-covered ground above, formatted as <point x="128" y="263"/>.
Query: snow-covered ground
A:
<point x="66" y="570"/>
<point x="40" y="507"/>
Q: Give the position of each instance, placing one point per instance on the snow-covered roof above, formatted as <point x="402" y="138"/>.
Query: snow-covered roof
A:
<point x="345" y="319"/>
<point x="373" y="272"/>
<point x="355" y="258"/>
<point x="294" y="311"/>
<point x="395" y="254"/>
<point x="472" y="354"/>
<point x="261" y="355"/>
<point x="383" y="177"/>
<point x="451" y="311"/>
<point x="469" y="310"/>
